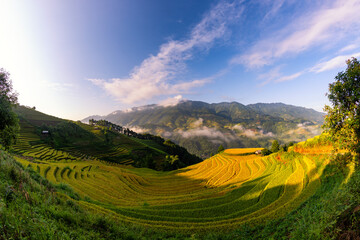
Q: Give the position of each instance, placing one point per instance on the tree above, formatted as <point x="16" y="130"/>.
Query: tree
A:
<point x="265" y="152"/>
<point x="221" y="148"/>
<point x="169" y="143"/>
<point x="284" y="148"/>
<point x="342" y="121"/>
<point x="172" y="159"/>
<point x="275" y="147"/>
<point x="9" y="126"/>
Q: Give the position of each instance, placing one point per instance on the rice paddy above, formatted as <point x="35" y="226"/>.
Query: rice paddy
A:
<point x="232" y="188"/>
<point x="220" y="193"/>
<point x="30" y="145"/>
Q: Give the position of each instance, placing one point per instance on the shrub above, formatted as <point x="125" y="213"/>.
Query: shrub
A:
<point x="265" y="152"/>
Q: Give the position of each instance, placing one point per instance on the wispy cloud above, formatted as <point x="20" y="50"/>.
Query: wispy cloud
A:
<point x="276" y="5"/>
<point x="209" y="132"/>
<point x="290" y="77"/>
<point x="275" y="76"/>
<point x="336" y="62"/>
<point x="157" y="74"/>
<point x="349" y="47"/>
<point x="57" y="86"/>
<point x="197" y="123"/>
<point x="252" y="133"/>
<point x="138" y="129"/>
<point x="327" y="25"/>
<point x="270" y="76"/>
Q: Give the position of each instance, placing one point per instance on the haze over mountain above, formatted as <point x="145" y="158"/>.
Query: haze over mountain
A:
<point x="201" y="127"/>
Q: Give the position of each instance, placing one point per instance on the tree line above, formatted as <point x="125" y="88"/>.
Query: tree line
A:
<point x="177" y="157"/>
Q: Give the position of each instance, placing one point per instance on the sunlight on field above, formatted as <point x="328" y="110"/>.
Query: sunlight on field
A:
<point x="231" y="188"/>
<point x="241" y="150"/>
<point x="219" y="193"/>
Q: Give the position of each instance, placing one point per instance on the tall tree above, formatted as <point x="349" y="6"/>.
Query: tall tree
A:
<point x="342" y="121"/>
<point x="9" y="126"/>
<point x="275" y="147"/>
<point x="221" y="148"/>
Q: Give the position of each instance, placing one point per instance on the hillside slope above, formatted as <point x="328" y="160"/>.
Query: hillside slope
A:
<point x="203" y="201"/>
<point x="201" y="127"/>
<point x="46" y="137"/>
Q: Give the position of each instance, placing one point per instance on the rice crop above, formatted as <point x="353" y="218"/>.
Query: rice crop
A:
<point x="220" y="193"/>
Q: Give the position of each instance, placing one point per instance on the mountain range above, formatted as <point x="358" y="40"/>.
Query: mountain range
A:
<point x="201" y="127"/>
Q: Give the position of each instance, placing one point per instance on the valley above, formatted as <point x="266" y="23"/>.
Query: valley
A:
<point x="201" y="127"/>
<point x="94" y="167"/>
<point x="223" y="192"/>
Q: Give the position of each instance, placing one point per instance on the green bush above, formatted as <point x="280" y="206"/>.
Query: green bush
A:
<point x="265" y="152"/>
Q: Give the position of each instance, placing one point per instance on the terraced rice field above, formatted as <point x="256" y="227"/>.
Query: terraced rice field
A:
<point x="28" y="145"/>
<point x="221" y="192"/>
<point x="238" y="151"/>
<point x="40" y="151"/>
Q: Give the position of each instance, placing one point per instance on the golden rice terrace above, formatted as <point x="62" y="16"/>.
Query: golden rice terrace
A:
<point x="220" y="193"/>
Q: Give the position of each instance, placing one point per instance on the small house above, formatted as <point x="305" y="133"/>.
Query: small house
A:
<point x="258" y="152"/>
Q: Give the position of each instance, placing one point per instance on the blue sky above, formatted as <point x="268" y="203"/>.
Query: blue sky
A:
<point x="77" y="58"/>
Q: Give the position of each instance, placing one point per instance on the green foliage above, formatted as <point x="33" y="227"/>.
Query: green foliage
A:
<point x="343" y="118"/>
<point x="172" y="159"/>
<point x="153" y="155"/>
<point x="220" y="149"/>
<point x="9" y="126"/>
<point x="143" y="158"/>
<point x="283" y="148"/>
<point x="265" y="152"/>
<point x="342" y="160"/>
<point x="179" y="156"/>
<point x="172" y="162"/>
<point x="169" y="143"/>
<point x="66" y="133"/>
<point x="9" y="134"/>
<point x="275" y="147"/>
<point x="6" y="89"/>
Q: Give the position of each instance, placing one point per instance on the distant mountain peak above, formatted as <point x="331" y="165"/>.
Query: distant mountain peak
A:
<point x="201" y="126"/>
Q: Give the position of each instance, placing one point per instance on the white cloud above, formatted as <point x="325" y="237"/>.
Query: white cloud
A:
<point x="57" y="86"/>
<point x="138" y="129"/>
<point x="274" y="75"/>
<point x="197" y="123"/>
<point x="252" y="133"/>
<point x="290" y="77"/>
<point x="211" y="133"/>
<point x="327" y="25"/>
<point x="305" y="128"/>
<point x="349" y="47"/>
<point x="238" y="127"/>
<point x="167" y="134"/>
<point x="270" y="76"/>
<point x="171" y="101"/>
<point x="336" y="62"/>
<point x="156" y="76"/>
<point x="276" y="6"/>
